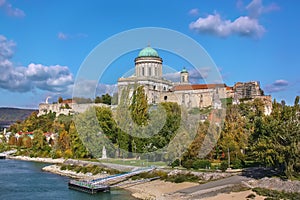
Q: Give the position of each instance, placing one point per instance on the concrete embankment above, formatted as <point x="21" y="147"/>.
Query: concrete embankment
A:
<point x="45" y="160"/>
<point x="56" y="170"/>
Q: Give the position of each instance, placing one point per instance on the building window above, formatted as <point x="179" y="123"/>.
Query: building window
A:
<point x="165" y="98"/>
<point x="154" y="87"/>
<point x="149" y="70"/>
<point x="182" y="79"/>
<point x="143" y="71"/>
<point x="155" y="71"/>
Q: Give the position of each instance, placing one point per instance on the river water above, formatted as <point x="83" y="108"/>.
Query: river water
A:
<point x="21" y="180"/>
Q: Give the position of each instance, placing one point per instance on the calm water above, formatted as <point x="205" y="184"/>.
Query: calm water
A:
<point x="25" y="180"/>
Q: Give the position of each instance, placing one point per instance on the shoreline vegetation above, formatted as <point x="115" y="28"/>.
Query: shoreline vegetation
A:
<point x="266" y="145"/>
<point x="158" y="189"/>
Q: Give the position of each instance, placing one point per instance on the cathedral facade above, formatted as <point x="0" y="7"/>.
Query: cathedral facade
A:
<point x="148" y="73"/>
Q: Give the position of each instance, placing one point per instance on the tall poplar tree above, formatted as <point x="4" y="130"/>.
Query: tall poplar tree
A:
<point x="139" y="107"/>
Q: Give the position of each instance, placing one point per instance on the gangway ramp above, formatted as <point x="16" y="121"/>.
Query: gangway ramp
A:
<point x="103" y="184"/>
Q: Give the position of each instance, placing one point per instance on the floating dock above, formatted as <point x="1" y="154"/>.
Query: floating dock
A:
<point x="103" y="184"/>
<point x="88" y="187"/>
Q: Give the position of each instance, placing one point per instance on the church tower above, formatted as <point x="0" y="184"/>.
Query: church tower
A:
<point x="184" y="76"/>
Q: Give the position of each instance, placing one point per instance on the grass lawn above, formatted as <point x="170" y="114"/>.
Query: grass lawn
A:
<point x="139" y="163"/>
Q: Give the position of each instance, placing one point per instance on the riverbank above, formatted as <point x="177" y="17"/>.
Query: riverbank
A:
<point x="34" y="159"/>
<point x="159" y="189"/>
<point x="56" y="169"/>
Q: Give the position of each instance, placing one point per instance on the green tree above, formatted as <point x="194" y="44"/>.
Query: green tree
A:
<point x="277" y="144"/>
<point x="139" y="107"/>
<point x="77" y="147"/>
<point x="60" y="100"/>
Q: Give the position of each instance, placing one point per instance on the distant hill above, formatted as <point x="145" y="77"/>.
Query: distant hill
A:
<point x="10" y="115"/>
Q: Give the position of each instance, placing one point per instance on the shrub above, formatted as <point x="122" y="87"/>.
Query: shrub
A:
<point x="237" y="164"/>
<point x="63" y="167"/>
<point x="201" y="164"/>
<point x="188" y="164"/>
<point x="179" y="178"/>
<point x="175" y="163"/>
<point x="224" y="166"/>
<point x="251" y="196"/>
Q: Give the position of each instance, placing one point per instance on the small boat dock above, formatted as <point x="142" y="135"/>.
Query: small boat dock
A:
<point x="104" y="184"/>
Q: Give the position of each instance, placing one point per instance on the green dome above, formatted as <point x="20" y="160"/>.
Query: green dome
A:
<point x="148" y="52"/>
<point x="184" y="70"/>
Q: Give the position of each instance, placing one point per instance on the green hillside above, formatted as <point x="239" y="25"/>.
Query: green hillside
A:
<point x="11" y="115"/>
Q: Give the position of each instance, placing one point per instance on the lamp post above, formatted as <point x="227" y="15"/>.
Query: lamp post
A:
<point x="228" y="158"/>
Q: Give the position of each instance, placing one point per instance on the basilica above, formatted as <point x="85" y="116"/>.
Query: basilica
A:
<point x="148" y="72"/>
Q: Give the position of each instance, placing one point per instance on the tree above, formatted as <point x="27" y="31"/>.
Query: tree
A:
<point x="279" y="139"/>
<point x="106" y="99"/>
<point x="60" y="99"/>
<point x="139" y="107"/>
<point x="77" y="147"/>
<point x="98" y="100"/>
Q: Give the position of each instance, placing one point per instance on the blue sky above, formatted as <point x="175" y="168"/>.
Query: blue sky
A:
<point x="43" y="43"/>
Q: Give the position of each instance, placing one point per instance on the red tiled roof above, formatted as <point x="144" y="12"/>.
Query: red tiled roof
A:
<point x="68" y="101"/>
<point x="229" y="88"/>
<point x="197" y="87"/>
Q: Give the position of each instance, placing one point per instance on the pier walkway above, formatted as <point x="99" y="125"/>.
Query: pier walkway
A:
<point x="103" y="184"/>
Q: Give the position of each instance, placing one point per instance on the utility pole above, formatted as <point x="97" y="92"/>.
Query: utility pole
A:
<point x="228" y="158"/>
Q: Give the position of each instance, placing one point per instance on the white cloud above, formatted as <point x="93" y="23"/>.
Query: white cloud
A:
<point x="195" y="75"/>
<point x="6" y="48"/>
<point x="256" y="8"/>
<point x="10" y="10"/>
<point x="213" y="24"/>
<point x="194" y="12"/>
<point x="62" y="36"/>
<point x="248" y="25"/>
<point x="65" y="36"/>
<point x="35" y="76"/>
<point x="91" y="88"/>
<point x="277" y="86"/>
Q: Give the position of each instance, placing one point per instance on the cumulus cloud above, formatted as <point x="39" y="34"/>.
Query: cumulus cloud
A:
<point x="91" y="88"/>
<point x="194" y="12"/>
<point x="277" y="86"/>
<point x="247" y="25"/>
<point x="13" y="78"/>
<point x="195" y="75"/>
<point x="213" y="24"/>
<point x="10" y="10"/>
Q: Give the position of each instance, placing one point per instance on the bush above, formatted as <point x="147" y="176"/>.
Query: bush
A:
<point x="276" y="194"/>
<point x="224" y="166"/>
<point x="176" y="163"/>
<point x="201" y="164"/>
<point x="179" y="178"/>
<point x="238" y="164"/>
<point x="64" y="167"/>
<point x="188" y="164"/>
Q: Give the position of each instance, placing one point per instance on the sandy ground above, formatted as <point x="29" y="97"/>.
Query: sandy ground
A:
<point x="160" y="190"/>
<point x="157" y="189"/>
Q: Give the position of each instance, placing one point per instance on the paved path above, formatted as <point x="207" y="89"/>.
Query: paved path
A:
<point x="211" y="188"/>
